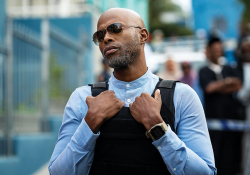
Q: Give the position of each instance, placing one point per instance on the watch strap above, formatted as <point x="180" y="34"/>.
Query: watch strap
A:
<point x="163" y="125"/>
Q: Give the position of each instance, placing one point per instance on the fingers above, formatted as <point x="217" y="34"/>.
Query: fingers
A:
<point x="130" y="105"/>
<point x="107" y="92"/>
<point x="123" y="103"/>
<point x="158" y="95"/>
<point x="90" y="97"/>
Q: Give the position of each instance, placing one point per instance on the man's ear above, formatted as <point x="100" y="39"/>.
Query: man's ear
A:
<point x="143" y="36"/>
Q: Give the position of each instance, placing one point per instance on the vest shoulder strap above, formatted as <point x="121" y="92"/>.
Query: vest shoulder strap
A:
<point x="98" y="88"/>
<point x="167" y="88"/>
<point x="168" y="84"/>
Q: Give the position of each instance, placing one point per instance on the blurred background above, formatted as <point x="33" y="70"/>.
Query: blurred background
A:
<point x="46" y="52"/>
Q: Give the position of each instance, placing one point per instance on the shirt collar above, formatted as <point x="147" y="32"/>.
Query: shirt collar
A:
<point x="215" y="67"/>
<point x="133" y="84"/>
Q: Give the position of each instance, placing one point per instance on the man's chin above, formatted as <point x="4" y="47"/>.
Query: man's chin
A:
<point x="116" y="64"/>
<point x="120" y="67"/>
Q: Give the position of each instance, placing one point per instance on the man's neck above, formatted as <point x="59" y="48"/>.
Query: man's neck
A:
<point x="132" y="72"/>
<point x="214" y="61"/>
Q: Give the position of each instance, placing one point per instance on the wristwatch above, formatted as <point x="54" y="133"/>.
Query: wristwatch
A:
<point x="157" y="131"/>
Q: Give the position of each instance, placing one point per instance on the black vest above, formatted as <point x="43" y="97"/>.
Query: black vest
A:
<point x="122" y="147"/>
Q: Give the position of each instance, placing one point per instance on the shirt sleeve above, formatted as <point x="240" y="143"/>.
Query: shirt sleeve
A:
<point x="189" y="151"/>
<point x="74" y="150"/>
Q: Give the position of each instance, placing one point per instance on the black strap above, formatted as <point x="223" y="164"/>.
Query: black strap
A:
<point x="100" y="85"/>
<point x="98" y="88"/>
<point x="167" y="88"/>
<point x="167" y="84"/>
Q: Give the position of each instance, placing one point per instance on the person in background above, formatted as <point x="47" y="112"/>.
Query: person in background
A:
<point x="105" y="75"/>
<point x="158" y="36"/>
<point x="219" y="83"/>
<point x="189" y="76"/>
<point x="157" y="40"/>
<point x="243" y="56"/>
<point x="171" y="71"/>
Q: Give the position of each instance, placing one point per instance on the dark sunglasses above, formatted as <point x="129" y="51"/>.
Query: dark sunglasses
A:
<point x="113" y="29"/>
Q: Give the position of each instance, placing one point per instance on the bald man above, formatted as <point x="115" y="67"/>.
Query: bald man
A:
<point x="104" y="124"/>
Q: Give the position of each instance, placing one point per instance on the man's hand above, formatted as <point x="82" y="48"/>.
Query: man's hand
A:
<point x="146" y="109"/>
<point x="232" y="84"/>
<point x="225" y="86"/>
<point x="101" y="108"/>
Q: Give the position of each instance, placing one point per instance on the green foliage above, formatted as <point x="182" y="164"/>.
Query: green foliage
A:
<point x="156" y="8"/>
<point x="173" y="29"/>
<point x="56" y="78"/>
<point x="246" y="14"/>
<point x="23" y="108"/>
<point x="58" y="92"/>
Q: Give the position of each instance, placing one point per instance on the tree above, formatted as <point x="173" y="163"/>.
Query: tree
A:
<point x="156" y="9"/>
<point x="246" y="14"/>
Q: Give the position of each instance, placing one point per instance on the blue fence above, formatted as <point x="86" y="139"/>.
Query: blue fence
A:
<point x="27" y="49"/>
<point x="40" y="56"/>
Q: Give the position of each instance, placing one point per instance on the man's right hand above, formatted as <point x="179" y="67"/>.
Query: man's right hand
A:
<point x="101" y="108"/>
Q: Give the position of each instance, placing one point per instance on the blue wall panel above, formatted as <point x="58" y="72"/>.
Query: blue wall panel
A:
<point x="31" y="151"/>
<point x="207" y="11"/>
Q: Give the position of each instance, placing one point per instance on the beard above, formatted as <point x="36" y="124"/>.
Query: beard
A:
<point x="128" y="54"/>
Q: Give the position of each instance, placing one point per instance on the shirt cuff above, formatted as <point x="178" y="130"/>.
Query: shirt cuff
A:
<point x="168" y="140"/>
<point x="85" y="137"/>
<point x="167" y="145"/>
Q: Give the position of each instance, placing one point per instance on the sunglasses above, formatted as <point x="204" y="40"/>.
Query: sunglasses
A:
<point x="113" y="29"/>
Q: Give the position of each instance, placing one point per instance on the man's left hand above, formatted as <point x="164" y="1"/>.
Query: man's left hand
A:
<point x="146" y="109"/>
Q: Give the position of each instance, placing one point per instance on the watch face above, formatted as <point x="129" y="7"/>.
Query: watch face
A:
<point x="157" y="132"/>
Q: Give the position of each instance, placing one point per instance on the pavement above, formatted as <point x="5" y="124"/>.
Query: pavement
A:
<point x="43" y="170"/>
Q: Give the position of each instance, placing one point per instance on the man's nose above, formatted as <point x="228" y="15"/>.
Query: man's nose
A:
<point x="108" y="38"/>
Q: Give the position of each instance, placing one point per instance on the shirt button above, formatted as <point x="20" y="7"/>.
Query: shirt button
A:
<point x="159" y="147"/>
<point x="128" y="100"/>
<point x="127" y="85"/>
<point x="174" y="169"/>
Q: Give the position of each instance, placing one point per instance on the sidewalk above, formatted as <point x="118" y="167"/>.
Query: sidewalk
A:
<point x="43" y="170"/>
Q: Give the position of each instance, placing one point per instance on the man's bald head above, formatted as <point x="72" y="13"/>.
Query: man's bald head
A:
<point x="128" y="16"/>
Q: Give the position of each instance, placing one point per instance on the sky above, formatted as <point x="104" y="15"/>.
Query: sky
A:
<point x="186" y="5"/>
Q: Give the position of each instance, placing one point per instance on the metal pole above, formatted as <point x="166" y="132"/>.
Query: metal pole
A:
<point x="45" y="75"/>
<point x="80" y="59"/>
<point x="9" y="86"/>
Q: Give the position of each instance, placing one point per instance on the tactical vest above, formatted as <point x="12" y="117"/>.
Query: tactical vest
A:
<point x="122" y="147"/>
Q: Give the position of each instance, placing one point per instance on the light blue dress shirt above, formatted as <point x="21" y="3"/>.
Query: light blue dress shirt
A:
<point x="189" y="151"/>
